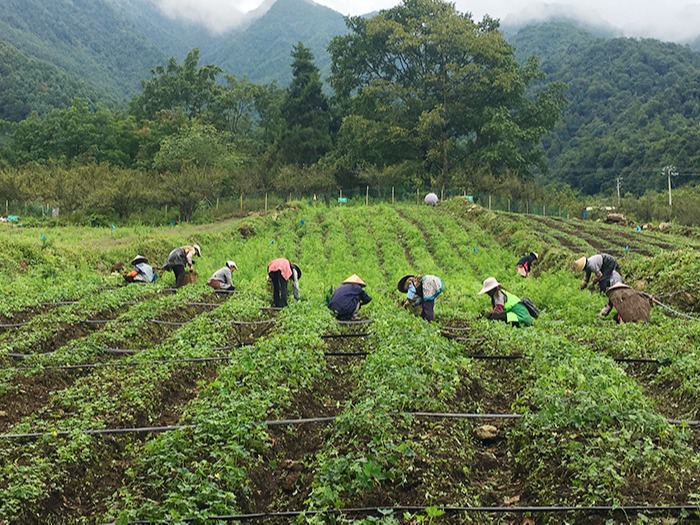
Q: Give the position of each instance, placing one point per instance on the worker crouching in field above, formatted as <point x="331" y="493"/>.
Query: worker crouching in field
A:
<point x="348" y="297"/>
<point x="142" y="272"/>
<point x="524" y="264"/>
<point x="421" y="290"/>
<point x="279" y="272"/>
<point x="505" y="306"/>
<point x="222" y="279"/>
<point x="631" y="306"/>
<point x="178" y="259"/>
<point x="604" y="267"/>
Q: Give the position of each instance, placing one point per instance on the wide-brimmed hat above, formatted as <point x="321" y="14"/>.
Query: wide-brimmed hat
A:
<point x="298" y="270"/>
<point x="616" y="286"/>
<point x="403" y="283"/>
<point x="197" y="249"/>
<point x="579" y="264"/>
<point x="534" y="254"/>
<point x="489" y="284"/>
<point x="139" y="259"/>
<point x="354" y="279"/>
<point x="232" y="264"/>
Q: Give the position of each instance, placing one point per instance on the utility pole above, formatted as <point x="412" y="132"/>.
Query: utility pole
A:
<point x="669" y="171"/>
<point x="619" y="182"/>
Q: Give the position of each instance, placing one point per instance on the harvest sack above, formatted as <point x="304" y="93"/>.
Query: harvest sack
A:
<point x="630" y="304"/>
<point x="527" y="303"/>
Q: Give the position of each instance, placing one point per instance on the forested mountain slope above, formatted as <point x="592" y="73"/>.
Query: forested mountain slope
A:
<point x="28" y="84"/>
<point x="87" y="39"/>
<point x="634" y="106"/>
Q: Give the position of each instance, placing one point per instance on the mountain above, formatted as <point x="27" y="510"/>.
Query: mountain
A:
<point x="87" y="39"/>
<point x="633" y="107"/>
<point x="28" y="84"/>
<point x="262" y="51"/>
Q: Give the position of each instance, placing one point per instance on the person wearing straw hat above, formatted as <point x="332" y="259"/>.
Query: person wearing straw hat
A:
<point x="505" y="306"/>
<point x="631" y="306"/>
<point x="603" y="266"/>
<point x="222" y="279"/>
<point x="178" y="259"/>
<point x="142" y="272"/>
<point x="421" y="290"/>
<point x="524" y="264"/>
<point x="348" y="298"/>
<point x="279" y="272"/>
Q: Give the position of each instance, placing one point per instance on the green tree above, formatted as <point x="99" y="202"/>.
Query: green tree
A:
<point x="182" y="88"/>
<point x="196" y="164"/>
<point x="305" y="110"/>
<point x="431" y="86"/>
<point x="76" y="135"/>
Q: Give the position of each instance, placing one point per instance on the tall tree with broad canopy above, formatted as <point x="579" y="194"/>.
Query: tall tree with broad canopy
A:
<point x="431" y="87"/>
<point x="305" y="110"/>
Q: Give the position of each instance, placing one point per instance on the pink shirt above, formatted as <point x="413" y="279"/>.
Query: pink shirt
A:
<point x="283" y="265"/>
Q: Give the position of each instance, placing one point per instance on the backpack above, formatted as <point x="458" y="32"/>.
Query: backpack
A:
<point x="527" y="303"/>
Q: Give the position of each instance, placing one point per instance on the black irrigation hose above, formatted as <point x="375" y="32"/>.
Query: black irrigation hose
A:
<point x="264" y="321"/>
<point x="366" y="511"/>
<point x="124" y="364"/>
<point x="279" y="422"/>
<point x="340" y="336"/>
<point x="358" y="321"/>
<point x="345" y="354"/>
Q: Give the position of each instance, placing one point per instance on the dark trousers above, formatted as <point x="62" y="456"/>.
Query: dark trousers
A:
<point x="428" y="311"/>
<point x="179" y="271"/>
<point x="279" y="289"/>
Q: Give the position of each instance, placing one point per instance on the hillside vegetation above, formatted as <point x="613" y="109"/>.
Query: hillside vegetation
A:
<point x="583" y="412"/>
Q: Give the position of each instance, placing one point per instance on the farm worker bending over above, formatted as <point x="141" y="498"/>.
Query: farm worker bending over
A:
<point x="178" y="259"/>
<point x="348" y="297"/>
<point x="631" y="305"/>
<point x="279" y="271"/>
<point x="223" y="278"/>
<point x="525" y="263"/>
<point x="421" y="290"/>
<point x="603" y="266"/>
<point x="142" y="272"/>
<point x="505" y="306"/>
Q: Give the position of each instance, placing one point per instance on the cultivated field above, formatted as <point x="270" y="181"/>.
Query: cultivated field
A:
<point x="140" y="402"/>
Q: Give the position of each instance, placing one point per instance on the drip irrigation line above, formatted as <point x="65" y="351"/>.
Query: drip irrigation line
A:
<point x="58" y="303"/>
<point x="495" y="357"/>
<point x="399" y="509"/>
<point x="203" y="304"/>
<point x="280" y="422"/>
<point x="271" y="308"/>
<point x="358" y="321"/>
<point x="456" y="328"/>
<point x="96" y="321"/>
<point x="468" y="339"/>
<point x="168" y="323"/>
<point x="125" y="364"/>
<point x="345" y="354"/>
<point x="13" y="325"/>
<point x="340" y="336"/>
<point x="264" y="321"/>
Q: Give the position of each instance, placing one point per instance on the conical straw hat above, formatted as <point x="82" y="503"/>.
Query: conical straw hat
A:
<point x="579" y="264"/>
<point x="489" y="284"/>
<point x="354" y="279"/>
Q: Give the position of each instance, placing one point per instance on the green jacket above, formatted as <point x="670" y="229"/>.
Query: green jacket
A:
<point x="515" y="310"/>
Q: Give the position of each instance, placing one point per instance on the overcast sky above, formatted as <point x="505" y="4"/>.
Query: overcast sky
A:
<point x="673" y="20"/>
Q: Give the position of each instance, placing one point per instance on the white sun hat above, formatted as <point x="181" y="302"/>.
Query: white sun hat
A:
<point x="489" y="284"/>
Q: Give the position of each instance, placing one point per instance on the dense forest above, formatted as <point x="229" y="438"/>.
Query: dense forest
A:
<point x="419" y="95"/>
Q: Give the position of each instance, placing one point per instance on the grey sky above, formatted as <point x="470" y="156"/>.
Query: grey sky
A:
<point x="674" y="20"/>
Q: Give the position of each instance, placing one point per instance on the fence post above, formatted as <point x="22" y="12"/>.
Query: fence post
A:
<point x="442" y="193"/>
<point x="417" y="196"/>
<point x="508" y="205"/>
<point x="217" y="204"/>
<point x="265" y="202"/>
<point x="527" y="206"/>
<point x="241" y="201"/>
<point x="544" y="210"/>
<point x="489" y="201"/>
<point x="367" y="196"/>
<point x="392" y="195"/>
